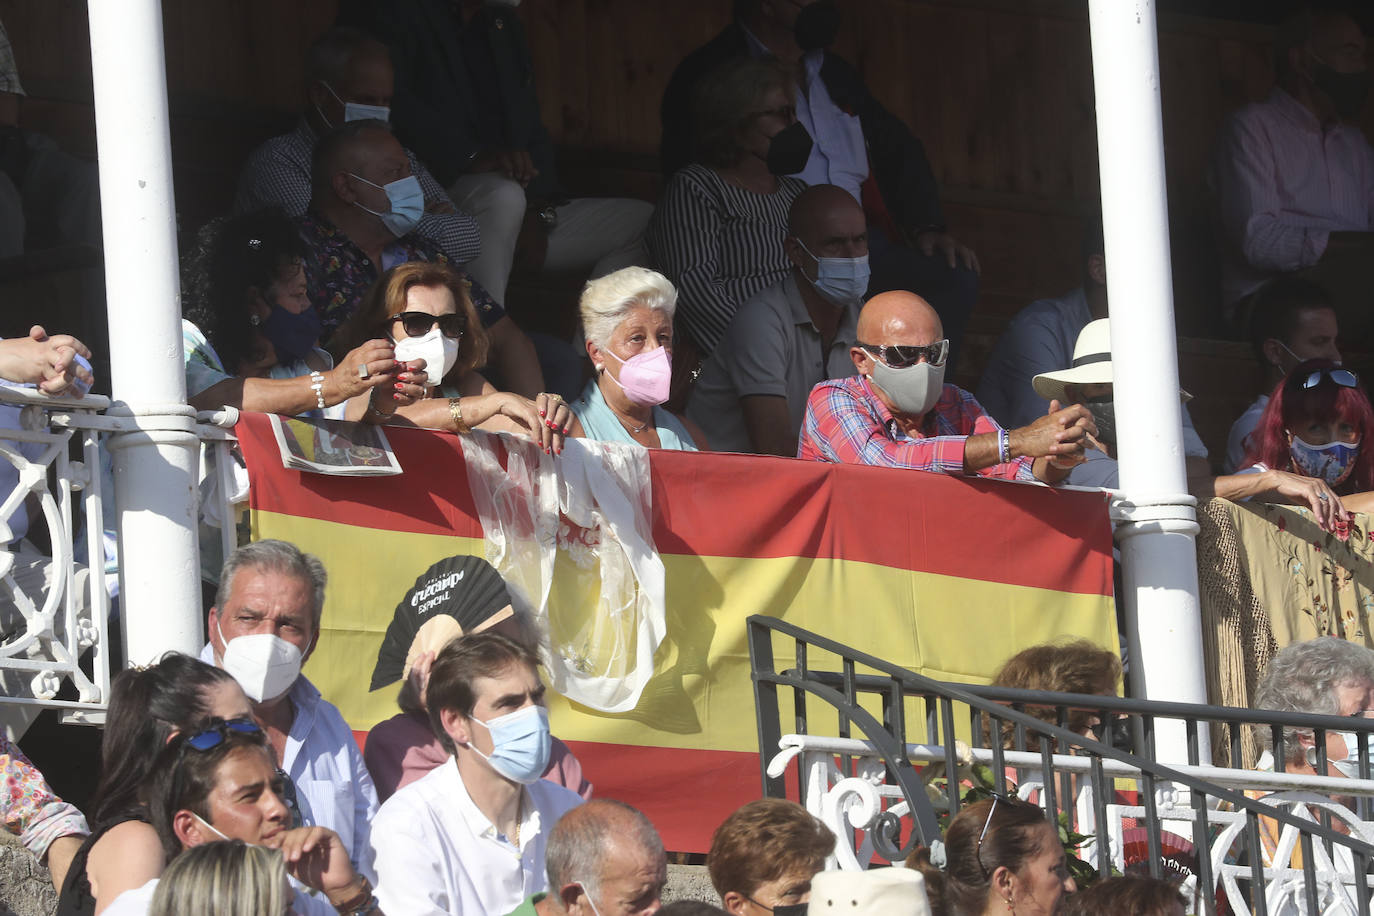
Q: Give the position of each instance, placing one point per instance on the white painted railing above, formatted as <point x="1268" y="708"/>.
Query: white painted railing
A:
<point x="55" y="611"/>
<point x="850" y="804"/>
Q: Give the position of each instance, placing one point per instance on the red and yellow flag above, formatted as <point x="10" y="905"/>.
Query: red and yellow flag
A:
<point x="944" y="575"/>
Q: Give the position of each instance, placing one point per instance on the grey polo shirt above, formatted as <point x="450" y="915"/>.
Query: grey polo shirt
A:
<point x="771" y="348"/>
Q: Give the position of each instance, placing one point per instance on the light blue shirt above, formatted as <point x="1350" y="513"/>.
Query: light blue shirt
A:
<point x="323" y="761"/>
<point x="839" y="155"/>
<point x="1041" y="339"/>
<point x="600" y="422"/>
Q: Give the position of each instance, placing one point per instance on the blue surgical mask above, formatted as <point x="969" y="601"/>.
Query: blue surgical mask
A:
<point x="407" y="201"/>
<point x="356" y="111"/>
<point x="842" y="281"/>
<point x="520" y="744"/>
<point x="1331" y="462"/>
<point x="293" y="335"/>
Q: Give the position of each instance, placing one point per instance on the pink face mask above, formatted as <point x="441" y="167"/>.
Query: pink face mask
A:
<point x="644" y="378"/>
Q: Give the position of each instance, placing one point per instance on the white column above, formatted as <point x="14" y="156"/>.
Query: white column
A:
<point x="155" y="466"/>
<point x="1157" y="521"/>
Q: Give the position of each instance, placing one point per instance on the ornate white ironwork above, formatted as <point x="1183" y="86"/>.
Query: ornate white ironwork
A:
<point x="845" y="784"/>
<point x="54" y="612"/>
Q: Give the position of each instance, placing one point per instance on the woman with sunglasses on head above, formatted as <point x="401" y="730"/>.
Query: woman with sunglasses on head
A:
<point x="999" y="856"/>
<point x="1307" y="448"/>
<point x="627" y="317"/>
<point x="220" y="782"/>
<point x="251" y="337"/>
<point x="148" y="706"/>
<point x="423" y="310"/>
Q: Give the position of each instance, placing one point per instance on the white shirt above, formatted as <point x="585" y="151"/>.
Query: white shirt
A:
<point x="1236" y="443"/>
<point x="436" y="853"/>
<point x="139" y="900"/>
<point x="332" y="783"/>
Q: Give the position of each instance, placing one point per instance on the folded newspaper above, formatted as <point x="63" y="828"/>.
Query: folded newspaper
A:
<point x="334" y="447"/>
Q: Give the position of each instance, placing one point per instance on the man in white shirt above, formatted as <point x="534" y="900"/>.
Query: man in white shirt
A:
<point x="470" y="837"/>
<point x="264" y="625"/>
<point x="1291" y="320"/>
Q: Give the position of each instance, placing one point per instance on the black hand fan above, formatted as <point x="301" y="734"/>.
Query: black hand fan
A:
<point x="466" y="588"/>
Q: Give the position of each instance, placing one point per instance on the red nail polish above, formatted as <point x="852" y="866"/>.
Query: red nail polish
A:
<point x="541" y="413"/>
<point x="400" y="387"/>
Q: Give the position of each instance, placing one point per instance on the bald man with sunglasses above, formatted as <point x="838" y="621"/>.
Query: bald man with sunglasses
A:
<point x="898" y="412"/>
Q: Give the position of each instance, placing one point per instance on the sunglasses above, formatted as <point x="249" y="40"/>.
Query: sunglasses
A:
<point x="901" y="357"/>
<point x="218" y="732"/>
<point x="1343" y="377"/>
<point x="418" y="324"/>
<point x="978" y="850"/>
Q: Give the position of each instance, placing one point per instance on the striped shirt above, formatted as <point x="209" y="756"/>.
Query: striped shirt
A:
<point x="277" y="174"/>
<point x="719" y="244"/>
<point x="846" y="423"/>
<point x="1284" y="183"/>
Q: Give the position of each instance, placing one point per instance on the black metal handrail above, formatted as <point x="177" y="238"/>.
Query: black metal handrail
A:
<point x="893" y="686"/>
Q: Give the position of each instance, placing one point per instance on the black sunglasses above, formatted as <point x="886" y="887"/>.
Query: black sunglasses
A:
<point x="900" y="357"/>
<point x="418" y="324"/>
<point x="1343" y="377"/>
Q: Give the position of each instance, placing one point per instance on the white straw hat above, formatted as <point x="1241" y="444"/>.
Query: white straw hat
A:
<point x="1092" y="364"/>
<point x="895" y="891"/>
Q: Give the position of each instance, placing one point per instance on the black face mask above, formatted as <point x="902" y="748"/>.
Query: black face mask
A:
<point x="791" y="909"/>
<point x="1104" y="415"/>
<point x="789" y="149"/>
<point x="1347" y="91"/>
<point x="817" y="25"/>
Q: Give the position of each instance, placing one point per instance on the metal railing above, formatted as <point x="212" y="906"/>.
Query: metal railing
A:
<point x="884" y="754"/>
<point x="57" y="645"/>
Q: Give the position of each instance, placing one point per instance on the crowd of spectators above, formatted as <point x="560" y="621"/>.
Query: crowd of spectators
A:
<point x="794" y="292"/>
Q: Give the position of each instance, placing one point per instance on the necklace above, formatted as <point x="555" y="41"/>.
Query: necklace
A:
<point x="515" y="834"/>
<point x="634" y="430"/>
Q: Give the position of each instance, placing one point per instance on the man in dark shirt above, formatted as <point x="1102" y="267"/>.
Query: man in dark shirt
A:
<point x="358" y="224"/>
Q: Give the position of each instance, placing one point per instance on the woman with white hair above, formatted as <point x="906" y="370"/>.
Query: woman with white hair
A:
<point x="1323" y="676"/>
<point x="627" y="317"/>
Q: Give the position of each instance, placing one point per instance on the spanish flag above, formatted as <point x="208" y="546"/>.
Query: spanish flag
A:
<point x="944" y="575"/>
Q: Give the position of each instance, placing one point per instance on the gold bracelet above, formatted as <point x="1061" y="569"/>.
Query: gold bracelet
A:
<point x="455" y="410"/>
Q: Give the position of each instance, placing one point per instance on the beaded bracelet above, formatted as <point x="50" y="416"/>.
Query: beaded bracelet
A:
<point x="317" y="386"/>
<point x="455" y="410"/>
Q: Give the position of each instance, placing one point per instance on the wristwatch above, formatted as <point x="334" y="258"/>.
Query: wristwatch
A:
<point x="548" y="216"/>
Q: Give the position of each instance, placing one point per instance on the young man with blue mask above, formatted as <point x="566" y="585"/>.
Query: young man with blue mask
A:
<point x="471" y="836"/>
<point x="753" y="387"/>
<point x="898" y="412"/>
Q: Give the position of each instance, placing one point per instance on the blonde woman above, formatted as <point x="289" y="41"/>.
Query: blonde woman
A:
<point x="224" y="878"/>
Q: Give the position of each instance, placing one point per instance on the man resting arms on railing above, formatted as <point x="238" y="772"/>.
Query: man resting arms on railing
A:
<point x="899" y="413"/>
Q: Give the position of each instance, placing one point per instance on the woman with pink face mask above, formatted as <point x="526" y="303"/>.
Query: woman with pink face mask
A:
<point x="627" y="317"/>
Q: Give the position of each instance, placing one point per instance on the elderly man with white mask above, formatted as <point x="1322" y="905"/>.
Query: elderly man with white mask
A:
<point x="264" y="625"/>
<point x="1088" y="381"/>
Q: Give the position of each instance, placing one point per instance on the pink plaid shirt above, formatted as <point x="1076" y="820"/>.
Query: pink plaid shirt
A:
<point x="847" y="423"/>
<point x="1284" y="183"/>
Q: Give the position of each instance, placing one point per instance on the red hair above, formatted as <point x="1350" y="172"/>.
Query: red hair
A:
<point x="1326" y="402"/>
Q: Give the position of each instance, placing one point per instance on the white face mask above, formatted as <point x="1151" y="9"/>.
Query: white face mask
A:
<point x="264" y="664"/>
<point x="439" y="351"/>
